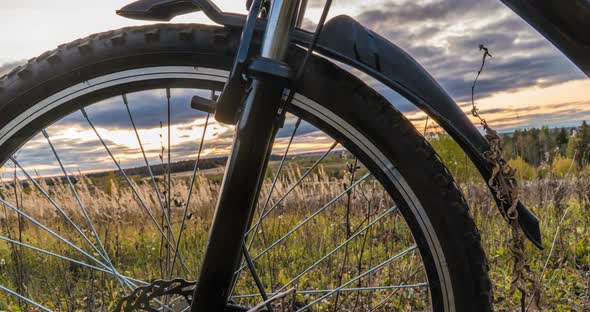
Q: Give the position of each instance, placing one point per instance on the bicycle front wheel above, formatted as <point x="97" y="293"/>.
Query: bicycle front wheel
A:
<point x="110" y="180"/>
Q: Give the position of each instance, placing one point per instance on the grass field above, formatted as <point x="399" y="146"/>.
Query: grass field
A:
<point x="136" y="247"/>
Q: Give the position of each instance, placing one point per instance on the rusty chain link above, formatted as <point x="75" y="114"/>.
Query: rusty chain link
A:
<point x="140" y="299"/>
<point x="505" y="186"/>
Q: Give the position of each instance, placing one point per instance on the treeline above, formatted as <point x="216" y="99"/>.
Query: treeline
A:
<point x="161" y="169"/>
<point x="535" y="152"/>
<point x="541" y="146"/>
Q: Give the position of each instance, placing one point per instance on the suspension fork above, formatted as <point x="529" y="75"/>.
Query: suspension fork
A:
<point x="255" y="132"/>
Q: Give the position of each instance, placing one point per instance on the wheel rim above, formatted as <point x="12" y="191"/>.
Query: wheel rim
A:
<point x="268" y="205"/>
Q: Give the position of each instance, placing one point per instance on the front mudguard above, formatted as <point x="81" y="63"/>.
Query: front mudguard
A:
<point x="345" y="40"/>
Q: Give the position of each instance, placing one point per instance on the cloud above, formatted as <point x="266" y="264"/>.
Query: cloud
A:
<point x="148" y="109"/>
<point x="444" y="37"/>
<point x="75" y="154"/>
<point x="321" y="3"/>
<point x="412" y="11"/>
<point x="287" y="130"/>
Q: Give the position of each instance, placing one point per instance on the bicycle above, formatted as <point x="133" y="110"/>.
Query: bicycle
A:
<point x="256" y="74"/>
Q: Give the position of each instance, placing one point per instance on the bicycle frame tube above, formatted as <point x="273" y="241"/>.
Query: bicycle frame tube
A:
<point x="255" y="133"/>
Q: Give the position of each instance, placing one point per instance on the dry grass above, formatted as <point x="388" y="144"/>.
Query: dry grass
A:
<point x="136" y="247"/>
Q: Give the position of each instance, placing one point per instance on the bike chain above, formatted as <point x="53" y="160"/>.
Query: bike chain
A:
<point x="140" y="299"/>
<point x="505" y="185"/>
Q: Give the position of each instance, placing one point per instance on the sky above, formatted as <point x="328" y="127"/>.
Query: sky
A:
<point x="527" y="82"/>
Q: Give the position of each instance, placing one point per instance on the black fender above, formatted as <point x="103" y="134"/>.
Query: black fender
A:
<point x="157" y="10"/>
<point x="345" y="40"/>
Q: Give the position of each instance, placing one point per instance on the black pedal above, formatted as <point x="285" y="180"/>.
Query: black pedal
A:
<point x="203" y="104"/>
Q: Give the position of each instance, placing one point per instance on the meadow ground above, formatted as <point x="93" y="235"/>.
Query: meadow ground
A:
<point x="562" y="203"/>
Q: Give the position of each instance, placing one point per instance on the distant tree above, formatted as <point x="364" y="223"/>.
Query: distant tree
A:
<point x="579" y="144"/>
<point x="539" y="148"/>
<point x="508" y="147"/>
<point x="573" y="145"/>
<point x="584" y="143"/>
<point x="530" y="146"/>
<point x="584" y="129"/>
<point x="561" y="140"/>
<point x="546" y="144"/>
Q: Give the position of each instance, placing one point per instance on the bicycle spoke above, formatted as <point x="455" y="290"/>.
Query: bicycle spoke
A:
<point x="191" y="186"/>
<point x="255" y="275"/>
<point x="268" y="197"/>
<point x="147" y="164"/>
<point x="24" y="298"/>
<point x="134" y="190"/>
<point x="352" y="237"/>
<point x="274" y="182"/>
<point x="80" y="204"/>
<point x="109" y="267"/>
<point x="84" y="264"/>
<point x="48" y="230"/>
<point x="58" y="208"/>
<point x="323" y="291"/>
<point x="169" y="182"/>
<point x="332" y="201"/>
<point x="307" y="172"/>
<point x="149" y="168"/>
<point x="390" y="296"/>
<point x="104" y="253"/>
<point x="358" y="277"/>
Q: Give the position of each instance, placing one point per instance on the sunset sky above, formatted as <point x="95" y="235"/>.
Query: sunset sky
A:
<point x="527" y="83"/>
